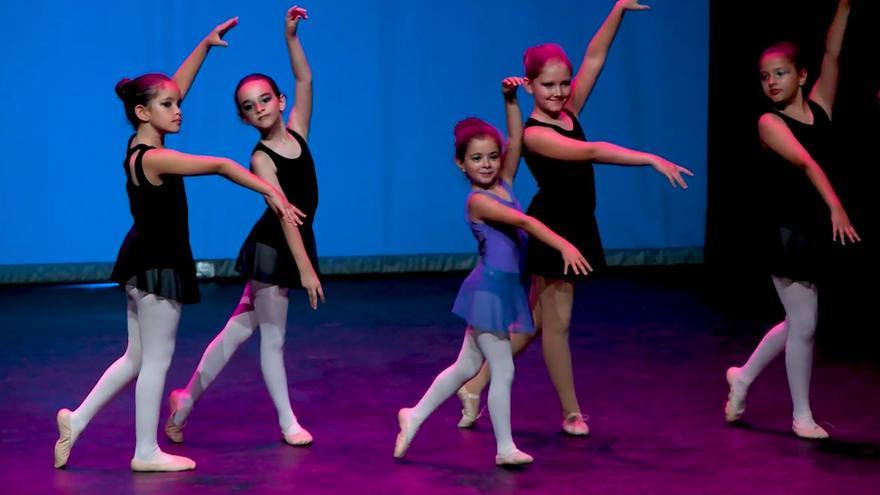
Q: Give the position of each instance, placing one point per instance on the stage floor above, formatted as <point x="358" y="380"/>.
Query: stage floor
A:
<point x="649" y="354"/>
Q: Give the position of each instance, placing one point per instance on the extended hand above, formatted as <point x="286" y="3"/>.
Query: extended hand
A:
<point x="294" y="15"/>
<point x="671" y="171"/>
<point x="215" y="38"/>
<point x="312" y="285"/>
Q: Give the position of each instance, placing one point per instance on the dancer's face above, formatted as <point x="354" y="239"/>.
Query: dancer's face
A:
<point x="552" y="87"/>
<point x="258" y="105"/>
<point x="163" y="110"/>
<point x="780" y="79"/>
<point x="482" y="161"/>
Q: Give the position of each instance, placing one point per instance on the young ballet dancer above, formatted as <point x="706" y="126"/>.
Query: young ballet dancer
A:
<point x="493" y="298"/>
<point x="276" y="256"/>
<point x="561" y="160"/>
<point x="155" y="264"/>
<point x="797" y="138"/>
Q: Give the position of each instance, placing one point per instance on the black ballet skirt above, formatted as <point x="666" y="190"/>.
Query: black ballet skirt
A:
<point x="566" y="203"/>
<point x="798" y="233"/>
<point x="265" y="255"/>
<point x="156" y="256"/>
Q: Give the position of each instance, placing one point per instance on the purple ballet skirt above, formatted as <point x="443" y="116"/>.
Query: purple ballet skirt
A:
<point x="493" y="297"/>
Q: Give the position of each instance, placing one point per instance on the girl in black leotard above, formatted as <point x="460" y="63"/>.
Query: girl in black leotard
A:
<point x="796" y="135"/>
<point x="561" y="159"/>
<point x="275" y="256"/>
<point x="155" y="264"/>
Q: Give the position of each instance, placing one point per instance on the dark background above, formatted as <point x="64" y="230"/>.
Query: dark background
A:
<point x="736" y="278"/>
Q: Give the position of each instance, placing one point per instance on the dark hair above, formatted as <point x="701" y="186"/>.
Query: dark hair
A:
<point x="536" y="57"/>
<point x="139" y="91"/>
<point x="472" y="128"/>
<point x="254" y="77"/>
<point x="787" y="49"/>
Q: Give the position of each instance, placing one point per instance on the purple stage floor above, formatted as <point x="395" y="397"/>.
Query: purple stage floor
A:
<point x="649" y="355"/>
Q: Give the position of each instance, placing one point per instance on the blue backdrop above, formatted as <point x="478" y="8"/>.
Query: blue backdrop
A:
<point x="391" y="78"/>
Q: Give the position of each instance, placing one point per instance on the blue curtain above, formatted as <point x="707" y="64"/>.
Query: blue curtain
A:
<point x="391" y="79"/>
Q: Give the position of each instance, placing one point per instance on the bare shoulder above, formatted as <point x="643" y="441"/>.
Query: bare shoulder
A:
<point x="261" y="159"/>
<point x="771" y="123"/>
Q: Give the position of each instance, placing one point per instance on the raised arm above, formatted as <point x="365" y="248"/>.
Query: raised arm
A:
<point x="165" y="161"/>
<point x="264" y="168"/>
<point x="825" y="89"/>
<point x="186" y="74"/>
<point x="481" y="207"/>
<point x="301" y="115"/>
<point x="514" y="128"/>
<point x="597" y="52"/>
<point x="778" y="138"/>
<point x="551" y="144"/>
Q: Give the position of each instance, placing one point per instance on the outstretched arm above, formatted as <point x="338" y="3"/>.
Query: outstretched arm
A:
<point x="190" y="67"/>
<point x="551" y="144"/>
<point x="597" y="52"/>
<point x="514" y="128"/>
<point x="825" y="89"/>
<point x="778" y="137"/>
<point x="264" y="168"/>
<point x="484" y="208"/>
<point x="301" y="115"/>
<point x="166" y="161"/>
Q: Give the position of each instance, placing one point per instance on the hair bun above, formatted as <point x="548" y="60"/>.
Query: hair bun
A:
<point x="121" y="87"/>
<point x="467" y="123"/>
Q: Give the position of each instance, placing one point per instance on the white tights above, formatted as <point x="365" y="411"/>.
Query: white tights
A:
<point x="264" y="306"/>
<point x="152" y="326"/>
<point x="795" y="336"/>
<point x="477" y="346"/>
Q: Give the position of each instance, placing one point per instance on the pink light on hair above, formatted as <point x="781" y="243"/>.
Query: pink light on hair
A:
<point x="787" y="49"/>
<point x="472" y="128"/>
<point x="255" y="77"/>
<point x="536" y="57"/>
<point x="139" y="91"/>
